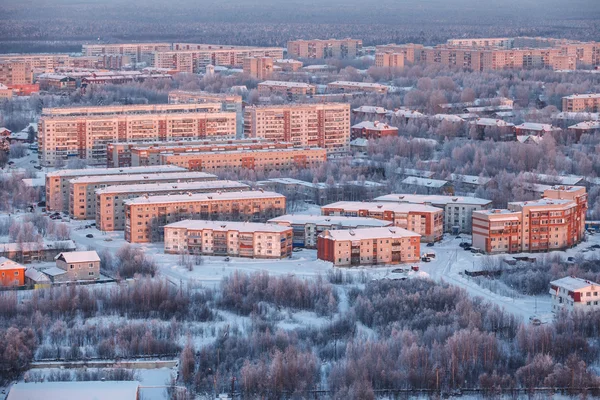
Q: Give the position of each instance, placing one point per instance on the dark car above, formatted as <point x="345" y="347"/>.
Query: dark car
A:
<point x="89" y="235"/>
<point x="430" y="244"/>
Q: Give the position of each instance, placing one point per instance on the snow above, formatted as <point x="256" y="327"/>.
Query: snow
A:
<point x="79" y="256"/>
<point x="72" y="173"/>
<point x="573" y="284"/>
<point x="109" y="390"/>
<point x="352" y="222"/>
<point x="224" y="196"/>
<point x="370" y="233"/>
<point x="245" y="227"/>
<point x="435" y="200"/>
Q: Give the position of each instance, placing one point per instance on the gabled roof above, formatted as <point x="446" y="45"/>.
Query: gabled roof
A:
<point x="369" y="233"/>
<point x="78" y="257"/>
<point x="6" y="264"/>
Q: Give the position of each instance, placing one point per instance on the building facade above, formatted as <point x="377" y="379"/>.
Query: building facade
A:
<point x="368" y="246"/>
<point x="11" y="273"/>
<point x="574" y="294"/>
<point x="354" y="87"/>
<point x="373" y="130"/>
<point x="425" y="220"/>
<point x="146" y="216"/>
<point x="291" y="90"/>
<point x="224" y="238"/>
<point x="324" y="125"/>
<point x="78" y="265"/>
<point x="332" y="48"/>
<point x="581" y="103"/>
<point x="15" y="73"/>
<point x="260" y="68"/>
<point x="137" y="52"/>
<point x="389" y="60"/>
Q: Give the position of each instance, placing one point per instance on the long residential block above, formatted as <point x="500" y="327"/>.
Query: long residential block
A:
<point x="110" y="201"/>
<point x="84" y="132"/>
<point x="82" y="191"/>
<point x="581" y="103"/>
<point x="324" y="125"/>
<point x="369" y="246"/>
<point x="57" y="182"/>
<point x="425" y="220"/>
<point x="291" y="90"/>
<point x="146" y="216"/>
<point x="329" y="48"/>
<point x="137" y="52"/>
<point x="224" y="238"/>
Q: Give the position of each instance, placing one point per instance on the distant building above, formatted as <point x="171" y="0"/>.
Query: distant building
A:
<point x="373" y="130"/>
<point x="78" y="266"/>
<point x="531" y="128"/>
<point x="89" y="390"/>
<point x="370" y="111"/>
<point x="136" y="52"/>
<point x="331" y="48"/>
<point x="469" y="183"/>
<point x="56" y="82"/>
<point x="581" y="103"/>
<point x="353" y="87"/>
<point x="224" y="238"/>
<point x="427" y="185"/>
<point x="574" y="294"/>
<point x="368" y="246"/>
<point x="389" y="60"/>
<point x="288" y="64"/>
<point x="258" y="67"/>
<point x="29" y="252"/>
<point x="291" y="90"/>
<point x="11" y="273"/>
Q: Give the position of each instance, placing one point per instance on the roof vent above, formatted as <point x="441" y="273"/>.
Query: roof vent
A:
<point x="351" y="232"/>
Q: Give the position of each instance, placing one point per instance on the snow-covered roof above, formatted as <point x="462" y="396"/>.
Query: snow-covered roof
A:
<point x="184" y="175"/>
<point x="489" y="108"/>
<point x="292" y="181"/>
<point x="533" y="126"/>
<point x="29" y="246"/>
<point x="414" y="172"/>
<point x="586" y="125"/>
<point x="36" y="275"/>
<point x="5" y="263"/>
<point x="435" y="200"/>
<point x="499" y="214"/>
<point x="470" y="179"/>
<point x="286" y="84"/>
<point x="346" y="222"/>
<point x="78" y="257"/>
<point x="54" y="271"/>
<point x="89" y="390"/>
<point x="568" y="180"/>
<point x="169" y="187"/>
<point x="381" y="207"/>
<point x="583" y="96"/>
<point x="573" y="284"/>
<point x="358" y="84"/>
<point x="577" y="116"/>
<point x="409" y="114"/>
<point x="369" y="233"/>
<point x="370" y="110"/>
<point x="373" y="126"/>
<point x="542" y="203"/>
<point x="491" y="122"/>
<point x="425" y="182"/>
<point x="34" y="182"/>
<point x="248" y="227"/>
<point x="115" y="171"/>
<point x="448" y="117"/>
<point x="191" y="197"/>
<point x="359" y="142"/>
<point x="529" y="138"/>
<point x="504" y="114"/>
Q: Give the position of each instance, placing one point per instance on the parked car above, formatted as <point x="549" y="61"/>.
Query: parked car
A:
<point x="89" y="235"/>
<point x="226" y="259"/>
<point x="430" y="244"/>
<point x="426" y="259"/>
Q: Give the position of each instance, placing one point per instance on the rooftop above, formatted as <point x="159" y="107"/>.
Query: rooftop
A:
<point x="381" y="207"/>
<point x="585" y="125"/>
<point x="448" y="117"/>
<point x="369" y="233"/>
<point x="432" y="199"/>
<point x="5" y="263"/>
<point x="414" y="172"/>
<point x="554" y="179"/>
<point x="416" y="181"/>
<point x="408" y="114"/>
<point x="346" y="222"/>
<point x="491" y="122"/>
<point x="533" y="126"/>
<point x="228" y="226"/>
<point x="90" y="390"/>
<point x="358" y="84"/>
<point x="470" y="179"/>
<point x="542" y="203"/>
<point x="370" y="110"/>
<point x="114" y="171"/>
<point x="572" y="283"/>
<point x="36" y="275"/>
<point x="141" y="177"/>
<point x="54" y="271"/>
<point x="168" y="187"/>
<point x="31" y="246"/>
<point x="287" y="84"/>
<point x="583" y="96"/>
<point x="375" y="126"/>
<point x="78" y="257"/>
<point x="190" y="197"/>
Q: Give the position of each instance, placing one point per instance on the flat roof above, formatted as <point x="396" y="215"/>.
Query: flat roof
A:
<point x="586" y="125"/>
<point x="89" y="390"/>
<point x="583" y="96"/>
<point x="491" y="122"/>
<point x="114" y="171"/>
<point x="142" y="177"/>
<point x="432" y="199"/>
<point x="346" y="222"/>
<point x="471" y="179"/>
<point x="242" y="151"/>
<point x="395" y="207"/>
<point x="370" y="110"/>
<point x="166" y="187"/>
<point x="572" y="283"/>
<point x="534" y="126"/>
<point x="421" y="173"/>
<point x="358" y="84"/>
<point x="228" y="226"/>
<point x="292" y="181"/>
<point x="417" y="181"/>
<point x="555" y="179"/>
<point x="286" y="83"/>
<point x="542" y="202"/>
<point x="369" y="233"/>
<point x="224" y="196"/>
<point x="377" y="126"/>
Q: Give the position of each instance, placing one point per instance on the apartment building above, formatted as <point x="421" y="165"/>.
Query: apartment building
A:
<point x="267" y="160"/>
<point x="57" y="182"/>
<point x="317" y="48"/>
<point x="411" y="53"/>
<point x="484" y="42"/>
<point x="425" y="220"/>
<point x="224" y="238"/>
<point x="291" y="90"/>
<point x="82" y="191"/>
<point x="39" y="62"/>
<point x="288" y="64"/>
<point x="554" y="222"/>
<point x="325" y="125"/>
<point x="389" y="60"/>
<point x="110" y="201"/>
<point x="15" y="73"/>
<point x="458" y="210"/>
<point x="373" y="130"/>
<point x="258" y="67"/>
<point x="574" y="294"/>
<point x="137" y="52"/>
<point x="353" y="87"/>
<point x="306" y="228"/>
<point x="138" y="154"/>
<point x="581" y="103"/>
<point x="229" y="103"/>
<point x="368" y="246"/>
<point x="85" y="132"/>
<point x="146" y="216"/>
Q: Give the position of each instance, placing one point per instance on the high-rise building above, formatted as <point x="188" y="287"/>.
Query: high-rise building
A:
<point x="389" y="60"/>
<point x="258" y="67"/>
<point x="332" y="48"/>
<point x="581" y="103"/>
<point x="137" y="52"/>
<point x="15" y="73"/>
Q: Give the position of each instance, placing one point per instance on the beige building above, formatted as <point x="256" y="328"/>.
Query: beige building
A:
<point x="137" y="52"/>
<point x="581" y="103"/>
<point x="267" y="160"/>
<point x="110" y="201"/>
<point x="332" y="48"/>
<point x="288" y="64"/>
<point x="574" y="294"/>
<point x="258" y="67"/>
<point x="57" y="182"/>
<point x="145" y="217"/>
<point x="389" y="60"/>
<point x="353" y="87"/>
<point x="291" y="90"/>
<point x="224" y="238"/>
<point x="82" y="191"/>
<point x="369" y="246"/>
<point x="15" y="73"/>
<point x="554" y="222"/>
<point x="39" y="62"/>
<point x="84" y="132"/>
<point x="411" y="52"/>
<point x="325" y="125"/>
<point x="425" y="220"/>
<point x="75" y="266"/>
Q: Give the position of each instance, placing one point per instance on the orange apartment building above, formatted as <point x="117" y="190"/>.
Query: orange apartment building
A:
<point x="137" y="154"/>
<point x="554" y="222"/>
<point x="13" y="274"/>
<point x="82" y="191"/>
<point x="317" y="48"/>
<point x="110" y="201"/>
<point x="15" y="73"/>
<point x="389" y="60"/>
<point x="354" y="87"/>
<point x="39" y="62"/>
<point x="146" y="216"/>
<point x="224" y="238"/>
<point x="425" y="220"/>
<point x="369" y="246"/>
<point x="258" y="67"/>
<point x="137" y="52"/>
<point x="291" y="90"/>
<point x="581" y="103"/>
<point x="274" y="159"/>
<point x="57" y="182"/>
<point x="325" y="125"/>
<point x="373" y="130"/>
<point x="288" y="64"/>
<point x="84" y="132"/>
